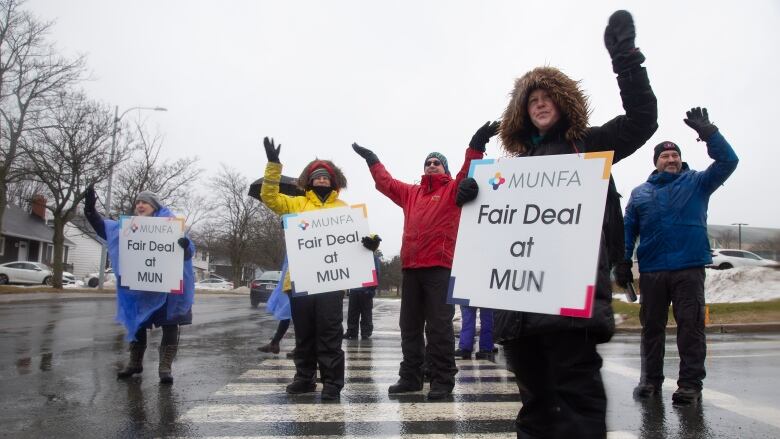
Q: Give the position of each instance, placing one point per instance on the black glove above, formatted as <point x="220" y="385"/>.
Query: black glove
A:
<point x="184" y="242"/>
<point x="699" y="120"/>
<point x="371" y="242"/>
<point x="619" y="39"/>
<point x="271" y="151"/>
<point x="623" y="273"/>
<point x="90" y="199"/>
<point x="483" y="135"/>
<point x="366" y="153"/>
<point x="467" y="191"/>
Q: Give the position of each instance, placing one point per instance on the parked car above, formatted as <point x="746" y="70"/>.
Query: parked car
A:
<point x="261" y="288"/>
<point x="68" y="278"/>
<point x="724" y="258"/>
<point x="214" y="283"/>
<point x="92" y="279"/>
<point x="25" y="272"/>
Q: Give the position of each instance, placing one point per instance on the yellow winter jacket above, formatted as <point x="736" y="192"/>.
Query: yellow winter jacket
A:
<point x="283" y="204"/>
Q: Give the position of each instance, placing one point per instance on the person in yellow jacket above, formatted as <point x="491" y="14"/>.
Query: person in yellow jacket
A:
<point x="318" y="317"/>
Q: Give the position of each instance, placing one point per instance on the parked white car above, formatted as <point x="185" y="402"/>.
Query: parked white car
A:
<point x="25" y="272"/>
<point x="725" y="258"/>
<point x="92" y="280"/>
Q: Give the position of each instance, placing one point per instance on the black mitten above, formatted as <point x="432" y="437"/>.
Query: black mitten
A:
<point x="366" y="153"/>
<point x="371" y="242"/>
<point x="271" y="151"/>
<point x="467" y="191"/>
<point x="699" y="120"/>
<point x="480" y="139"/>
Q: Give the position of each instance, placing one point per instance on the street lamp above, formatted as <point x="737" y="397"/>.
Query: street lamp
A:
<point x="117" y="117"/>
<point x="740" y="232"/>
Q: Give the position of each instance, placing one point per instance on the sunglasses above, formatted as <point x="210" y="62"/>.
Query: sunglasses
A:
<point x="432" y="163"/>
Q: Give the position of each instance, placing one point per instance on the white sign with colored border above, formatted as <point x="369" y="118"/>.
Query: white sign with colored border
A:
<point x="325" y="251"/>
<point x="150" y="258"/>
<point x="530" y="240"/>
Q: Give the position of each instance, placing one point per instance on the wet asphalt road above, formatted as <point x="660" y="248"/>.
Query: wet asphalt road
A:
<point x="59" y="354"/>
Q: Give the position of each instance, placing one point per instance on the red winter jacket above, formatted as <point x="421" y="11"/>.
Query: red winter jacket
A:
<point x="431" y="216"/>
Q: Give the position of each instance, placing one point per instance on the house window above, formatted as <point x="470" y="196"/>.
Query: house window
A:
<point x="2" y="246"/>
<point x="48" y="255"/>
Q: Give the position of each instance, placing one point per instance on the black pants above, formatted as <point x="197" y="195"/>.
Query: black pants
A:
<point x="281" y="329"/>
<point x="318" y="333"/>
<point x="560" y="384"/>
<point x="360" y="312"/>
<point x="684" y="289"/>
<point x="170" y="335"/>
<point x="424" y="310"/>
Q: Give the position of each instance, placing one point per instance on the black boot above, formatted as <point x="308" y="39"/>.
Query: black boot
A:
<point x="167" y="354"/>
<point x="136" y="363"/>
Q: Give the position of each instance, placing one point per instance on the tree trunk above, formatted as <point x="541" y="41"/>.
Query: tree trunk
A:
<point x="59" y="244"/>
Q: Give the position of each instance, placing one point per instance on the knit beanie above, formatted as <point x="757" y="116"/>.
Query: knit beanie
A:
<point x="664" y="146"/>
<point x="150" y="198"/>
<point x="320" y="172"/>
<point x="442" y="159"/>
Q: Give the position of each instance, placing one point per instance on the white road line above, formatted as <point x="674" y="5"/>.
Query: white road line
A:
<point x="725" y="401"/>
<point x="368" y="362"/>
<point x="288" y="373"/>
<point x="477" y="388"/>
<point x="348" y="412"/>
<point x="610" y="435"/>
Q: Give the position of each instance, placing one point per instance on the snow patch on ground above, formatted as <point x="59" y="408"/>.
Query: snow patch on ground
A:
<point x="744" y="284"/>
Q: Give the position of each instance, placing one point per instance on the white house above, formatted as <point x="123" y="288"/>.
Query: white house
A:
<point x="85" y="254"/>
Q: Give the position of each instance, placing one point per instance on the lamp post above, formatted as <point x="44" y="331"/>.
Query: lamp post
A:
<point x="117" y="117"/>
<point x="739" y="225"/>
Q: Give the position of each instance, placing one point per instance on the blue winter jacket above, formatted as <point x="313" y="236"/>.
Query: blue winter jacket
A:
<point x="669" y="213"/>
<point x="135" y="308"/>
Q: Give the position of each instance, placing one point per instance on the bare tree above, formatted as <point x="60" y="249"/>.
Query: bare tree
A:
<point x="31" y="74"/>
<point x="242" y="229"/>
<point x="725" y="238"/>
<point x="68" y="152"/>
<point x="170" y="180"/>
<point x="21" y="192"/>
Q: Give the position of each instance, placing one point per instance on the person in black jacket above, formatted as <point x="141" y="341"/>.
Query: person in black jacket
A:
<point x="554" y="357"/>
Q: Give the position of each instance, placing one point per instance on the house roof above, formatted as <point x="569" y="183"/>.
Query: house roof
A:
<point x="80" y="222"/>
<point x="19" y="223"/>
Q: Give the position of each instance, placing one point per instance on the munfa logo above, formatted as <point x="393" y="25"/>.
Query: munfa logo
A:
<point x="497" y="181"/>
<point x="303" y="224"/>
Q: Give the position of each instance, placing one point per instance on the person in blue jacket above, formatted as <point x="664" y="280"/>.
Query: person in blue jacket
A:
<point x="139" y="311"/>
<point x="668" y="213"/>
<point x="360" y="311"/>
<point x="279" y="306"/>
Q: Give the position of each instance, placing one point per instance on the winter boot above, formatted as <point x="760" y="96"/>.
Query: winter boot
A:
<point x="167" y="354"/>
<point x="271" y="348"/>
<point x="135" y="365"/>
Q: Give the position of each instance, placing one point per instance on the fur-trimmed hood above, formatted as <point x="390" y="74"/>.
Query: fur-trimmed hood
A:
<point x="337" y="179"/>
<point x="516" y="128"/>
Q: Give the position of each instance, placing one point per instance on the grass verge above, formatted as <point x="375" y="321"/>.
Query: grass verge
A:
<point x="719" y="313"/>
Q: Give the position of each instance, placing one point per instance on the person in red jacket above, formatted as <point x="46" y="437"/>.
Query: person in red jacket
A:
<point x="431" y="218"/>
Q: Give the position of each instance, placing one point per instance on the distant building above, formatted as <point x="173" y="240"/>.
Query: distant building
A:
<point x="26" y="237"/>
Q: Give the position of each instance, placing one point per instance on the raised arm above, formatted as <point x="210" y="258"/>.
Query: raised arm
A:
<point x="94" y="218"/>
<point x="397" y="191"/>
<point x="269" y="191"/>
<point x="628" y="132"/>
<point x="717" y="148"/>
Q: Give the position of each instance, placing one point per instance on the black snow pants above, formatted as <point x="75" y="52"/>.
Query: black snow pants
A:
<point x="318" y="333"/>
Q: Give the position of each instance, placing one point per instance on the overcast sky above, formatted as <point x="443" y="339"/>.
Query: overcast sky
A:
<point x="409" y="77"/>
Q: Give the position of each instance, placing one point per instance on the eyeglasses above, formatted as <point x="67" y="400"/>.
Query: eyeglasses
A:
<point x="432" y="163"/>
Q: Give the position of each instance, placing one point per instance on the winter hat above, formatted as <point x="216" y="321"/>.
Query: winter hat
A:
<point x="442" y="159"/>
<point x="337" y="179"/>
<point x="664" y="146"/>
<point x="319" y="172"/>
<point x="150" y="198"/>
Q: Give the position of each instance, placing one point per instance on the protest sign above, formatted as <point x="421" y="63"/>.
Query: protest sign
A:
<point x="150" y="258"/>
<point x="530" y="240"/>
<point x="325" y="252"/>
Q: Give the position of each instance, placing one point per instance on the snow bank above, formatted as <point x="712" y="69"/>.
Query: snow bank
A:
<point x="744" y="284"/>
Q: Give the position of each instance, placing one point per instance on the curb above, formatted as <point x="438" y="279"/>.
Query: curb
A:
<point x="726" y="328"/>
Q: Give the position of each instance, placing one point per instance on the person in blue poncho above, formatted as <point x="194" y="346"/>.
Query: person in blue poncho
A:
<point x="279" y="306"/>
<point x="142" y="310"/>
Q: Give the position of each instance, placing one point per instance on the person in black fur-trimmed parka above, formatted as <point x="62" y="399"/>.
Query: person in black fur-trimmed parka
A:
<point x="554" y="358"/>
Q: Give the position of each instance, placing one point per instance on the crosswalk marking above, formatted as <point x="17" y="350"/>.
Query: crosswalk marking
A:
<point x="369" y="373"/>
